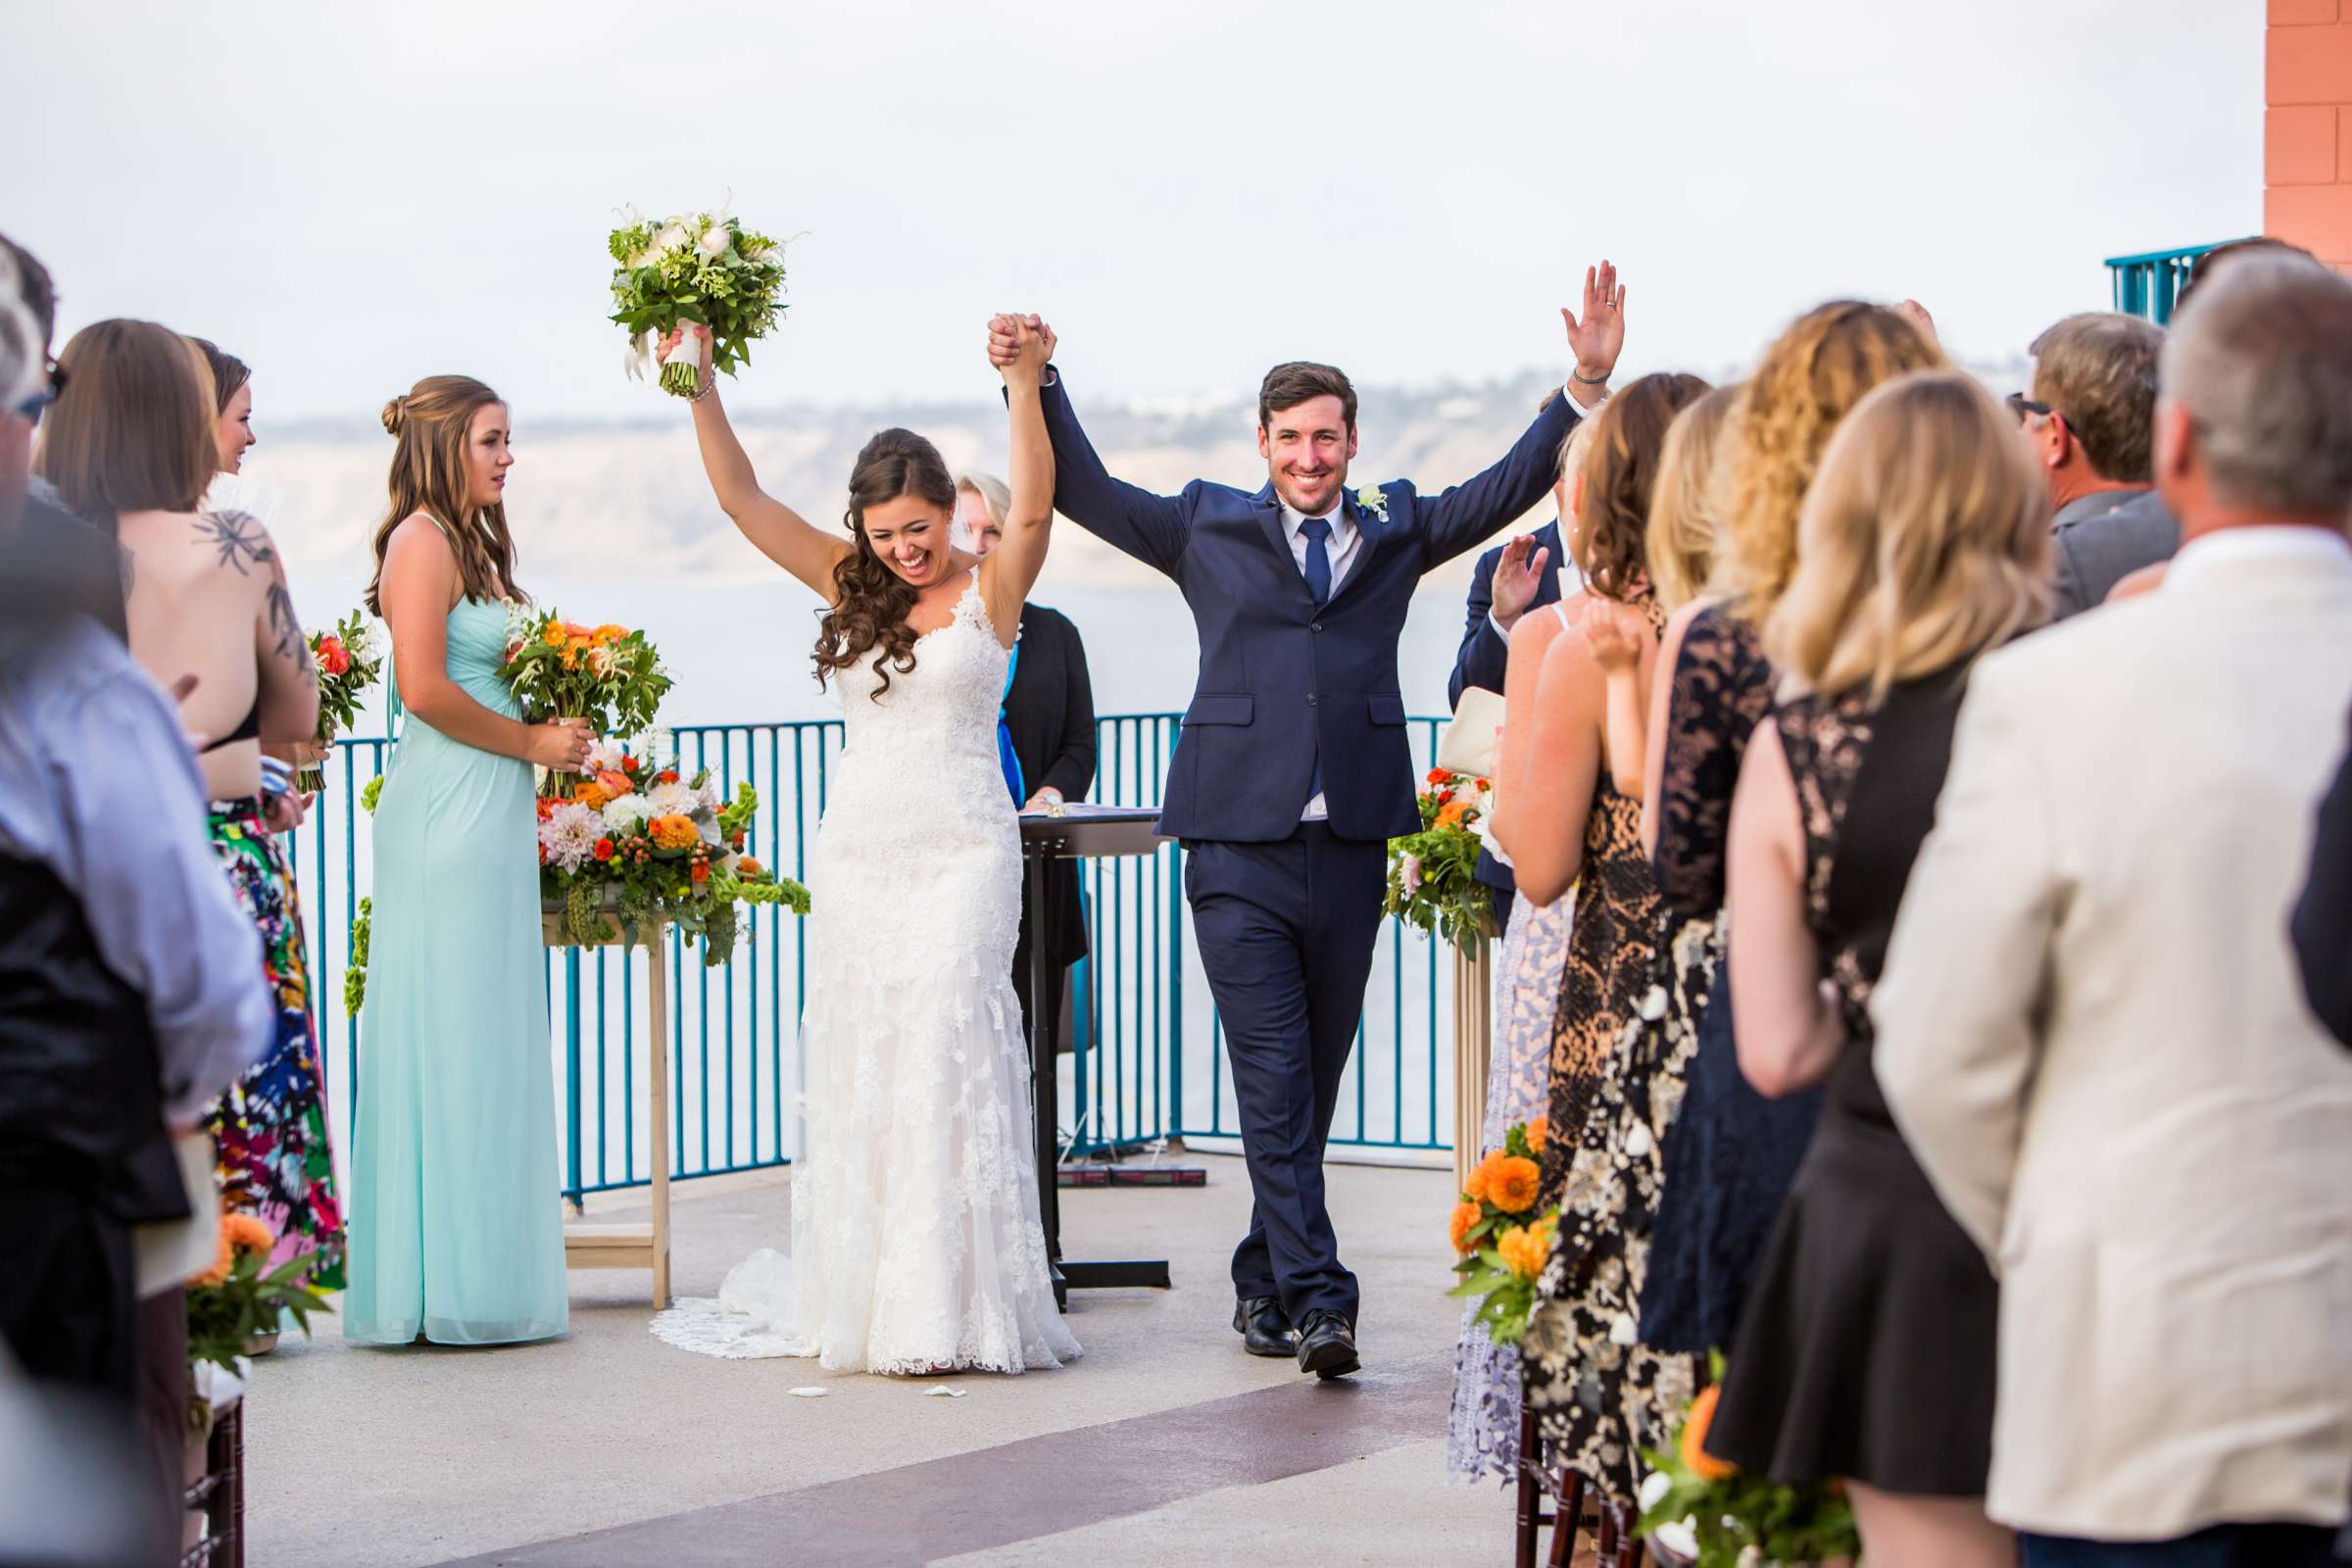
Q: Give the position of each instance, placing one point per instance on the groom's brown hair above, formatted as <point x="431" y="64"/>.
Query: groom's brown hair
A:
<point x="1297" y="382"/>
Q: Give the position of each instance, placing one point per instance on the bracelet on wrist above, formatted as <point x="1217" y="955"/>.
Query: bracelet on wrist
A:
<point x="1582" y="380"/>
<point x="710" y="385"/>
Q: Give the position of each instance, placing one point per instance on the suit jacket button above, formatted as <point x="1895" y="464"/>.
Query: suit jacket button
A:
<point x="1311" y="699"/>
<point x="1314" y="625"/>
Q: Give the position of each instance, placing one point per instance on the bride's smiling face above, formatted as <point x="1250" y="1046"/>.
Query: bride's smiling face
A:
<point x="910" y="535"/>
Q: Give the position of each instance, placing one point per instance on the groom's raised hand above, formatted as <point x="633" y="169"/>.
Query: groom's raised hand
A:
<point x="1599" y="336"/>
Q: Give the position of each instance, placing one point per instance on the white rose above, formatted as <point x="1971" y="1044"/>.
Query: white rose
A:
<point x="674" y="237"/>
<point x="1682" y="1539"/>
<point x="714" y="243"/>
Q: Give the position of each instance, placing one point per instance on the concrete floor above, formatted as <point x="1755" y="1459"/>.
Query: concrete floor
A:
<point x="422" y="1455"/>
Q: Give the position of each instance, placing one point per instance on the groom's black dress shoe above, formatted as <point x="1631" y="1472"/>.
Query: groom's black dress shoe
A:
<point x="1326" y="1344"/>
<point x="1264" y="1327"/>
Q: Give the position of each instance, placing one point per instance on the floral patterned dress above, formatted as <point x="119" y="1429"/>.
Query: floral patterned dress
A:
<point x="1616" y="1083"/>
<point x="271" y="1126"/>
<point x="1482" y="1436"/>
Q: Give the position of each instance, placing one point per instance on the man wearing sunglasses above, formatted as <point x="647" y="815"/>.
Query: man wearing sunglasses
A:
<point x="2088" y="419"/>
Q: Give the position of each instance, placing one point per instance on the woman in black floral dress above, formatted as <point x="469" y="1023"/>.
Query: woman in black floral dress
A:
<point x="1574" y="823"/>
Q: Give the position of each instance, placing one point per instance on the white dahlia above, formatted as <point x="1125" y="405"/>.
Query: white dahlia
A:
<point x="569" y="835"/>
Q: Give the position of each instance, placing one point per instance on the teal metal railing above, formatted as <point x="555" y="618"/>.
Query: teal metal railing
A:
<point x="2150" y="283"/>
<point x="1147" y="1061"/>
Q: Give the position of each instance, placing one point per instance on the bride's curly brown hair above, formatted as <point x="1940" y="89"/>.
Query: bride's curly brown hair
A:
<point x="871" y="601"/>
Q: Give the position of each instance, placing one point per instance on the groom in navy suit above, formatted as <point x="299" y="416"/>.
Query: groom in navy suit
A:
<point x="1293" y="770"/>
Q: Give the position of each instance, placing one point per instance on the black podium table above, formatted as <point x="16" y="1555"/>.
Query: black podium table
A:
<point x="1077" y="831"/>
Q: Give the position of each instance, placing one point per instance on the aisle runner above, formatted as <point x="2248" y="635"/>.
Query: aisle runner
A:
<point x="1036" y="1486"/>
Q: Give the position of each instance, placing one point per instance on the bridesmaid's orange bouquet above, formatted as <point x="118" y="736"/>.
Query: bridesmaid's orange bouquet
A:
<point x="1501" y="1244"/>
<point x="606" y="674"/>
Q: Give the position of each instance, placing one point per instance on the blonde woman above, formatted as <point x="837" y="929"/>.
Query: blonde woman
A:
<point x="1731" y="1154"/>
<point x="1867" y="1349"/>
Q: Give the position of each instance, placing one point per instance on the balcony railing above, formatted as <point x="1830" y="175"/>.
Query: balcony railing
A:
<point x="2151" y="284"/>
<point x="1147" y="1060"/>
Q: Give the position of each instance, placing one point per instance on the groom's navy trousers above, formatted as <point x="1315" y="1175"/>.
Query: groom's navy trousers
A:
<point x="1294" y="695"/>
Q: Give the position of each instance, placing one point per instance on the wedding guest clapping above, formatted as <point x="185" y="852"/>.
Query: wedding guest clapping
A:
<point x="2091" y="1028"/>
<point x="131" y="445"/>
<point x="456" y="1235"/>
<point x="1044" y="739"/>
<point x="1731" y="1154"/>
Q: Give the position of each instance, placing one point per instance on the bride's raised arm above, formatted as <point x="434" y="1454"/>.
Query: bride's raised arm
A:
<point x="1011" y="568"/>
<point x="778" y="532"/>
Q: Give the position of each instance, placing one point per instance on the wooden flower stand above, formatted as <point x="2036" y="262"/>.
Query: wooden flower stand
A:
<point x="588" y="1245"/>
<point x="1473" y="1033"/>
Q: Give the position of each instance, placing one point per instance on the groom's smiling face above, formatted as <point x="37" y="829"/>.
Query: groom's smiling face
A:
<point x="1307" y="447"/>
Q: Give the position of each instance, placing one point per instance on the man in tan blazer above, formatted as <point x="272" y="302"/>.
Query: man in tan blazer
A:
<point x="2089" y="1027"/>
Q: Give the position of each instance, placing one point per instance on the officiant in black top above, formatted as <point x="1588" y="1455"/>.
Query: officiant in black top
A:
<point x="1045" y="738"/>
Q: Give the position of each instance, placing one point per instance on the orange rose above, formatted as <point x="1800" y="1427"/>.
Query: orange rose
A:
<point x="575" y="631"/>
<point x="604" y="848"/>
<point x="1486" y="783"/>
<point x="614" y="785"/>
<point x="571" y="658"/>
<point x="701" y="871"/>
<point x="1513" y="1184"/>
<point x="1695" y="1457"/>
<point x="669" y="775"/>
<point x="1460" y="1224"/>
<point x="1437" y="775"/>
<point x="546" y="807"/>
<point x="1452" y="813"/>
<point x="609" y="633"/>
<point x="1538" y="1133"/>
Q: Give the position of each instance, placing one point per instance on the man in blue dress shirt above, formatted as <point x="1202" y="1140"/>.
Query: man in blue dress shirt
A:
<point x="1293" y="771"/>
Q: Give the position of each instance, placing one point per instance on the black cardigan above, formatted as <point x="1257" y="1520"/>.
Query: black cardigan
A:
<point x="1049" y="715"/>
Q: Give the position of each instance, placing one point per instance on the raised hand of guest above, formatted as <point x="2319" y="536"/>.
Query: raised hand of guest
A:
<point x="675" y="338"/>
<point x="1917" y="315"/>
<point x="1518" y="574"/>
<point x="1618" y="635"/>
<point x="1598" y="336"/>
<point x="1032" y="347"/>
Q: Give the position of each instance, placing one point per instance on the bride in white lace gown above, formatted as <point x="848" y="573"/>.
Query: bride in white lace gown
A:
<point x="915" y="1241"/>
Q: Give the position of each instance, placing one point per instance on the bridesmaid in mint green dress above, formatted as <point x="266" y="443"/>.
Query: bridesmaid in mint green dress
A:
<point x="455" y="1233"/>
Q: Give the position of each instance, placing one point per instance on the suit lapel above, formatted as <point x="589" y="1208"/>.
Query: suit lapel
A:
<point x="1269" y="518"/>
<point x="1371" y="534"/>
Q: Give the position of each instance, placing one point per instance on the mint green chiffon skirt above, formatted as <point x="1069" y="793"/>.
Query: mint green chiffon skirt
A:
<point x="456" y="1224"/>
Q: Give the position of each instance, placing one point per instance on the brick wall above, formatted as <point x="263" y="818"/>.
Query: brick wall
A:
<point x="2307" y="127"/>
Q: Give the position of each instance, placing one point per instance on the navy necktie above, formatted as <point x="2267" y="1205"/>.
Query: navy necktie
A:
<point x="1318" y="558"/>
<point x="1318" y="583"/>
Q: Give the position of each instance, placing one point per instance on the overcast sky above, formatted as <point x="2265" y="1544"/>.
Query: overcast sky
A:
<point x="351" y="196"/>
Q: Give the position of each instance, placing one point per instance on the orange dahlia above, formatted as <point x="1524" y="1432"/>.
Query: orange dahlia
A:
<point x="1460" y="1224"/>
<point x="1524" y="1248"/>
<point x="553" y="637"/>
<point x="1538" y="1133"/>
<point x="1513" y="1184"/>
<point x="247" y="1233"/>
<point x="672" y="832"/>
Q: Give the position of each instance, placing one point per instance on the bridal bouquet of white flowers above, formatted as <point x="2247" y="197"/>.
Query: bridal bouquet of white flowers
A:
<point x="698" y="268"/>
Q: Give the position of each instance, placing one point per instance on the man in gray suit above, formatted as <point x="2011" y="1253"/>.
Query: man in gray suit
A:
<point x="2086" y="418"/>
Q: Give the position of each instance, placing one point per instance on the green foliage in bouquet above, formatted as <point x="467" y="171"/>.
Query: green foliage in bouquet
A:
<point x="1432" y="874"/>
<point x="695" y="268"/>
<point x="355" y="969"/>
<point x="242" y="1296"/>
<point x="1712" y="1513"/>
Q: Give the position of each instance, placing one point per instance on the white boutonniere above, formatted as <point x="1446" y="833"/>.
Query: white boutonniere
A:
<point x="1373" y="499"/>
